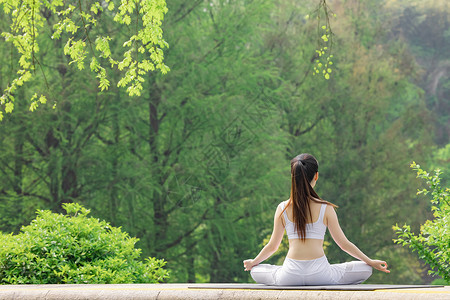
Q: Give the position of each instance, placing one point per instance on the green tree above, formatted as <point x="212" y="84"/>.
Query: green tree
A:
<point x="77" y="24"/>
<point x="202" y="142"/>
<point x="424" y="26"/>
<point x="362" y="124"/>
<point x="196" y="164"/>
<point x="152" y="159"/>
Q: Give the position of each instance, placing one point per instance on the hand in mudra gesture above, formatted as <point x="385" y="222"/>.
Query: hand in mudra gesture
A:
<point x="380" y="265"/>
<point x="248" y="264"/>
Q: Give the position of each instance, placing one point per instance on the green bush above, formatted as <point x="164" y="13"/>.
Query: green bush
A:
<point x="433" y="242"/>
<point x="74" y="248"/>
<point x="439" y="281"/>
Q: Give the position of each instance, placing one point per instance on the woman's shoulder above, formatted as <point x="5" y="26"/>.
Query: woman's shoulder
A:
<point x="322" y="202"/>
<point x="283" y="204"/>
<point x="317" y="202"/>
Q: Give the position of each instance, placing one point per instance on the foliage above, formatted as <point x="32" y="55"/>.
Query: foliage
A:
<point x="362" y="125"/>
<point x="432" y="243"/>
<point x="74" y="248"/>
<point x="439" y="281"/>
<point x="323" y="60"/>
<point x="440" y="160"/>
<point x="424" y="25"/>
<point x="406" y="266"/>
<point x="77" y="25"/>
<point x="201" y="158"/>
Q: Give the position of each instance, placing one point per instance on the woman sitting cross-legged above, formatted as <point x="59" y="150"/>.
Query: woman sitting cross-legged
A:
<point x="305" y="217"/>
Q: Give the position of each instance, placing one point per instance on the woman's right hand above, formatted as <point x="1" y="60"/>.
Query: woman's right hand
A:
<point x="248" y="264"/>
<point x="380" y="265"/>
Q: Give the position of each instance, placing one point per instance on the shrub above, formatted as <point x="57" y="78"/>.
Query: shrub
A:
<point x="433" y="242"/>
<point x="74" y="248"/>
<point x="439" y="281"/>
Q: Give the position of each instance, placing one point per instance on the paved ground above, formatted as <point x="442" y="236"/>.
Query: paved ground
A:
<point x="181" y="291"/>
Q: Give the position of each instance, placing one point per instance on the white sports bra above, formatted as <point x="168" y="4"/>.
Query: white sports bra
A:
<point x="314" y="230"/>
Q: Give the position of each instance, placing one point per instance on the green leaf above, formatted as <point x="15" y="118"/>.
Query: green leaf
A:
<point x="9" y="107"/>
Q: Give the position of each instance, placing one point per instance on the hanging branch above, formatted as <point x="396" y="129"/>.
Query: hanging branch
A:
<point x="147" y="39"/>
<point x="323" y="58"/>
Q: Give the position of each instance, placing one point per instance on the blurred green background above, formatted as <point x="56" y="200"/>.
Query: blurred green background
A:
<point x="196" y="165"/>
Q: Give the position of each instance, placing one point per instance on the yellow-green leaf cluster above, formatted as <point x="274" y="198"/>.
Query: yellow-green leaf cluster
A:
<point x="75" y="22"/>
<point x="323" y="62"/>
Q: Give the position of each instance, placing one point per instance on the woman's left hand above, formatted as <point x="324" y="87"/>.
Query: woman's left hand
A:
<point x="248" y="264"/>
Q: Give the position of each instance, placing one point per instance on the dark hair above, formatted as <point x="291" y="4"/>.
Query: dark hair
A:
<point x="303" y="169"/>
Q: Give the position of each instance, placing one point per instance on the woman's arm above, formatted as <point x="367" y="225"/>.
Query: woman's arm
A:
<point x="341" y="240"/>
<point x="272" y="246"/>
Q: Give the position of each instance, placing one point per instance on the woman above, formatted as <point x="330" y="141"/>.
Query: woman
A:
<point x="305" y="218"/>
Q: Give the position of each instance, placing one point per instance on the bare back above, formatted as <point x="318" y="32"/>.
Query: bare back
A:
<point x="309" y="248"/>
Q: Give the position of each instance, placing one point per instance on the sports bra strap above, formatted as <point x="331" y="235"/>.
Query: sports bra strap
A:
<point x="284" y="212"/>
<point x="323" y="207"/>
<point x="314" y="230"/>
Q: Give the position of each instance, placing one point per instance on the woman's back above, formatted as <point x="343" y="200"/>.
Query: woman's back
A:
<point x="305" y="217"/>
<point x="310" y="248"/>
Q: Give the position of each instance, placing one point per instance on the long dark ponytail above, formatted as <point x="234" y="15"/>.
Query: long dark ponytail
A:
<point x="303" y="169"/>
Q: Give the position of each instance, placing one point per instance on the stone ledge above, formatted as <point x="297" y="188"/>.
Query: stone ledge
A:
<point x="188" y="291"/>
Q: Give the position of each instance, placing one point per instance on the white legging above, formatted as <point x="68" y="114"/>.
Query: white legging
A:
<point x="311" y="272"/>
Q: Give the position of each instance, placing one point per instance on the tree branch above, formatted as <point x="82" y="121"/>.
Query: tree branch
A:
<point x="187" y="233"/>
<point x="188" y="11"/>
<point x="298" y="132"/>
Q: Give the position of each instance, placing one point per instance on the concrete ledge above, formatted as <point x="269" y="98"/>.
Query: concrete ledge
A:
<point x="181" y="291"/>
